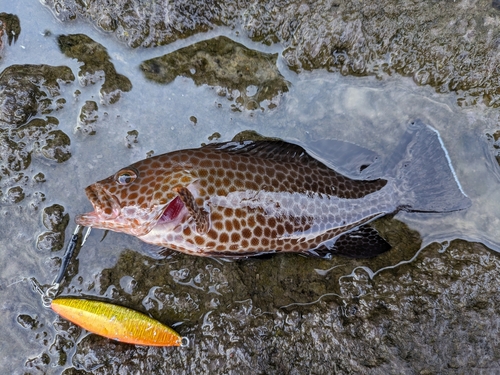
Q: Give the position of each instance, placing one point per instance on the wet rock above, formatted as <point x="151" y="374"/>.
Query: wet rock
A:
<point x="14" y="156"/>
<point x="15" y="194"/>
<point x="38" y="364"/>
<point x="39" y="177"/>
<point x="448" y="45"/>
<point x="88" y="117"/>
<point x="145" y="23"/>
<point x="131" y="138"/>
<point x="494" y="141"/>
<point x="27" y="321"/>
<point x="96" y="66"/>
<point x="414" y="318"/>
<point x="9" y="26"/>
<point x="252" y="135"/>
<point x="54" y="219"/>
<point x="28" y="90"/>
<point x="59" y="349"/>
<point x="42" y="137"/>
<point x="36" y="129"/>
<point x="248" y="76"/>
<point x="445" y="45"/>
<point x="50" y="241"/>
<point x="214" y="136"/>
<point x="57" y="146"/>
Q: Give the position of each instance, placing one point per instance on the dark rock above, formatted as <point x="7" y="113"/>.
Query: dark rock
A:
<point x="247" y="75"/>
<point x="57" y="146"/>
<point x="27" y="321"/>
<point x="28" y="90"/>
<point x="88" y="117"/>
<point x="414" y="318"/>
<point x="448" y="45"/>
<point x="50" y="241"/>
<point x="96" y="66"/>
<point x="54" y="219"/>
<point x="10" y="26"/>
<point x="15" y="194"/>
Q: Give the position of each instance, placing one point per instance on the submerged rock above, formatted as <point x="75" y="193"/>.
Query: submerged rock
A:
<point x="449" y="45"/>
<point x="88" y="117"/>
<point x="54" y="219"/>
<point x="400" y="321"/>
<point x="30" y="90"/>
<point x="27" y="91"/>
<point x="248" y="75"/>
<point x="144" y="23"/>
<point x="96" y="66"/>
<point x="494" y="140"/>
<point x="10" y="27"/>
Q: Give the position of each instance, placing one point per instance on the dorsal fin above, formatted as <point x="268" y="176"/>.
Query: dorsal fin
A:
<point x="279" y="151"/>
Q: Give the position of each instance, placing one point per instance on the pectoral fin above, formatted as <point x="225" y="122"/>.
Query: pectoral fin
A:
<point x="199" y="215"/>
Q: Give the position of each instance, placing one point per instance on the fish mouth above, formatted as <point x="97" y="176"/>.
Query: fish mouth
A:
<point x="106" y="207"/>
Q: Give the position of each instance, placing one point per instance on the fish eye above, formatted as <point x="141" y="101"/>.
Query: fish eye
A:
<point x="125" y="176"/>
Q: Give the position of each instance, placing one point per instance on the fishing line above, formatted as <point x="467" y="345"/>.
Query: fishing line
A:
<point x="53" y="289"/>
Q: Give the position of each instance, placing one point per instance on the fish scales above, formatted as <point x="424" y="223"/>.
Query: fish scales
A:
<point x="245" y="198"/>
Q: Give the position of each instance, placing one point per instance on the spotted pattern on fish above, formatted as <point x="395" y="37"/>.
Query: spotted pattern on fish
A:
<point x="247" y="198"/>
<point x="231" y="198"/>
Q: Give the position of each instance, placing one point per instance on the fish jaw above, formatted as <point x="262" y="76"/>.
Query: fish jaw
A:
<point x="106" y="206"/>
<point x="109" y="214"/>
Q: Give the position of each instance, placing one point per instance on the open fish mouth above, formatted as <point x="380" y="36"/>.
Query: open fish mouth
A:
<point x="106" y="207"/>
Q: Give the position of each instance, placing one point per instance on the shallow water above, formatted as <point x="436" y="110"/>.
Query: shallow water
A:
<point x="365" y="111"/>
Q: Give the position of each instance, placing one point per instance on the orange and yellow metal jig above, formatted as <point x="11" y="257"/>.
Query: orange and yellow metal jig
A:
<point x="116" y="322"/>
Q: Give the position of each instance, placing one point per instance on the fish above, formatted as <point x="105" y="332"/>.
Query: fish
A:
<point x="116" y="322"/>
<point x="244" y="198"/>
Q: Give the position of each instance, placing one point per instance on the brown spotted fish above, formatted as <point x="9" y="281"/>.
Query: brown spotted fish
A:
<point x="254" y="197"/>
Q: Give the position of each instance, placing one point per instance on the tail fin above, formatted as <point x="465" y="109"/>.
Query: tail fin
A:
<point x="424" y="173"/>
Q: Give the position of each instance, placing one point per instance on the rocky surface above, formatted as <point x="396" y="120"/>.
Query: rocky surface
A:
<point x="10" y="28"/>
<point x="96" y="66"/>
<point x="28" y="92"/>
<point x="452" y="46"/>
<point x="437" y="314"/>
<point x="248" y="76"/>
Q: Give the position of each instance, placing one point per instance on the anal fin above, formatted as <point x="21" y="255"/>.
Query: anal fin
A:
<point x="363" y="242"/>
<point x="199" y="215"/>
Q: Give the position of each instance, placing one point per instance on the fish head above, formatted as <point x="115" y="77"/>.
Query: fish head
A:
<point x="137" y="197"/>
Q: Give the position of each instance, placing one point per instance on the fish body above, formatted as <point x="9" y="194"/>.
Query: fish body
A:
<point x="248" y="198"/>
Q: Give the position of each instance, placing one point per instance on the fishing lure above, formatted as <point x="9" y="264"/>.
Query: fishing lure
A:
<point x="106" y="319"/>
<point x="116" y="322"/>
